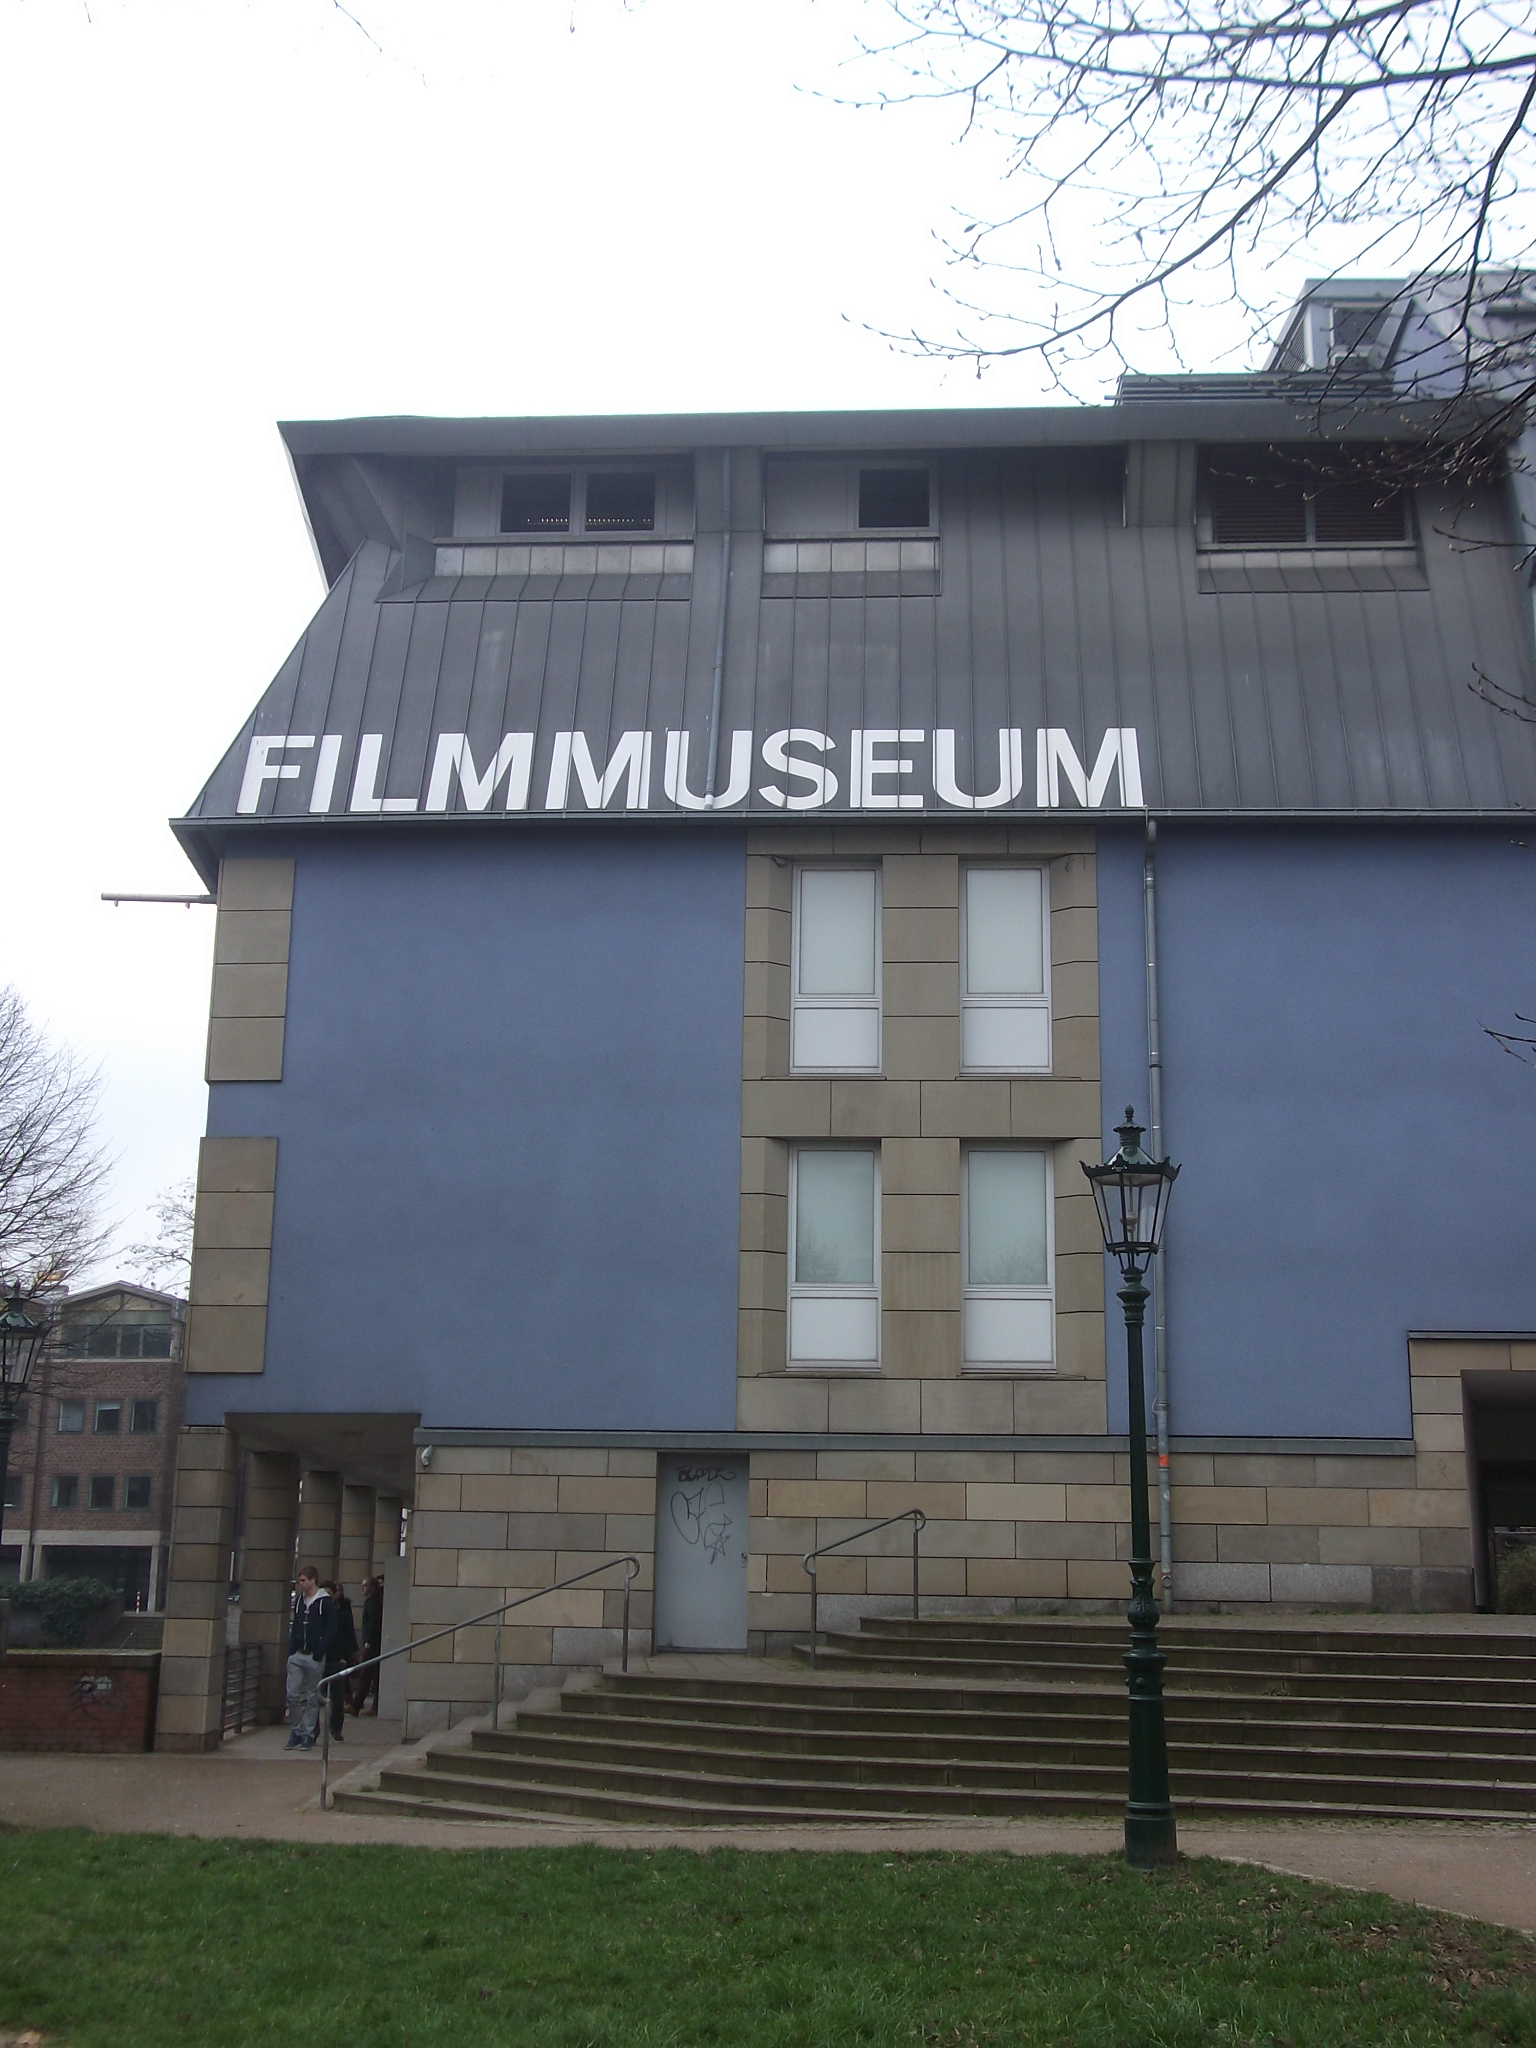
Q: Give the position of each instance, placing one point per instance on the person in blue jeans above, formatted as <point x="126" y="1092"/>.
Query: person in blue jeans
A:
<point x="310" y="1636"/>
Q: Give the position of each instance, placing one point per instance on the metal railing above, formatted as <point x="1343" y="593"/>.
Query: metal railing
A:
<point x="631" y="1573"/>
<point x="919" y="1522"/>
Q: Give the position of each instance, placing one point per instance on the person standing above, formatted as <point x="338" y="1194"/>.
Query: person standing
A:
<point x="341" y="1655"/>
<point x="373" y="1643"/>
<point x="310" y="1635"/>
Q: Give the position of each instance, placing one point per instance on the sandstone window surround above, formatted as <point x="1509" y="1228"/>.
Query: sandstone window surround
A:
<point x="921" y="1110"/>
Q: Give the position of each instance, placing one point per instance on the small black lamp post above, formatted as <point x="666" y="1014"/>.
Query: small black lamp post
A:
<point x="21" y="1340"/>
<point x="1131" y="1192"/>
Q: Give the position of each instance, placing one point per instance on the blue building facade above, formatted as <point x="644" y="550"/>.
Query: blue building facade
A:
<point x="697" y="895"/>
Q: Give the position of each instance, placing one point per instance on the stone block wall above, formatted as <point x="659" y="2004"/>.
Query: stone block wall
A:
<point x="492" y="1523"/>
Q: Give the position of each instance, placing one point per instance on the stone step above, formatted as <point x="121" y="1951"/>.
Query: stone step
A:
<point x="849" y="1689"/>
<point x="857" y="1793"/>
<point x="1094" y="1631"/>
<point x="622" y="1737"/>
<point x="1106" y="1649"/>
<point x="538" y="1803"/>
<point x="839" y="1652"/>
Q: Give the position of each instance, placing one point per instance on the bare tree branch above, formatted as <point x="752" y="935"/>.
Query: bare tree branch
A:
<point x="51" y="1170"/>
<point x="1175" y="148"/>
<point x="165" y="1260"/>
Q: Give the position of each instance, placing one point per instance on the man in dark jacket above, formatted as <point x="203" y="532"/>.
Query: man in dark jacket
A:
<point x="341" y="1656"/>
<point x="310" y="1636"/>
<point x="373" y="1642"/>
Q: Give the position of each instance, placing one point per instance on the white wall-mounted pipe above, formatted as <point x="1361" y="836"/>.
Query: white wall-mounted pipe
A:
<point x="1160" y="1290"/>
<point x="717" y="687"/>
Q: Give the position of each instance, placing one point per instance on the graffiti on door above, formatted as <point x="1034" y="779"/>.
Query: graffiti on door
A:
<point x="698" y="1507"/>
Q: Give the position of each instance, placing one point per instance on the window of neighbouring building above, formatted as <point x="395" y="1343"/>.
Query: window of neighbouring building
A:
<point x="109" y="1418"/>
<point x="136" y="1490"/>
<point x="102" y="1492"/>
<point x="835" y="1011"/>
<point x="834" y="1256"/>
<point x="1005" y="971"/>
<point x="71" y="1417"/>
<point x="1009" y="1306"/>
<point x="14" y="1490"/>
<point x="144" y="1418"/>
<point x="130" y="1333"/>
<point x="66" y="1490"/>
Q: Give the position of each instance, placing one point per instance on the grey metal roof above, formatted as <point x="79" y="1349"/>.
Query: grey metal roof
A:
<point x="1053" y="620"/>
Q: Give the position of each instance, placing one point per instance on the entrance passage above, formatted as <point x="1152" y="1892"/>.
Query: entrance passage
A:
<point x="1502" y="1418"/>
<point x="701" y="1553"/>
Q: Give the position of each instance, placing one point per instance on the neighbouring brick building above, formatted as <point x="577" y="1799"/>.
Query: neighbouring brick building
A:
<point x="697" y="894"/>
<point x="93" y="1457"/>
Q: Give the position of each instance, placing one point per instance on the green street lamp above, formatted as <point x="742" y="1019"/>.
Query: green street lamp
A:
<point x="22" y="1338"/>
<point x="1131" y="1194"/>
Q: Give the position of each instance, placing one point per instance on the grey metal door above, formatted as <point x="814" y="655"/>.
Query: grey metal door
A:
<point x="701" y="1553"/>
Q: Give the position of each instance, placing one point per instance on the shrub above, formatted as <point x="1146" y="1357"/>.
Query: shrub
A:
<point x="1517" y="1580"/>
<point x="67" y="1606"/>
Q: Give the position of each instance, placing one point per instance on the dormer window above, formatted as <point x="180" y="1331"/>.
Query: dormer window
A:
<point x="621" y="501"/>
<point x="578" y="501"/>
<point x="536" y="502"/>
<point x="1267" y="498"/>
<point x="893" y="498"/>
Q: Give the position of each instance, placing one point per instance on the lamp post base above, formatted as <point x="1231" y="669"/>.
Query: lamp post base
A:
<point x="1151" y="1840"/>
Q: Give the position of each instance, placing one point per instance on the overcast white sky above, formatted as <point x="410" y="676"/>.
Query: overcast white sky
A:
<point x="221" y="213"/>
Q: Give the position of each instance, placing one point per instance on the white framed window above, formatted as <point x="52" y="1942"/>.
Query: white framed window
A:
<point x="1005" y="982"/>
<point x="835" y="980"/>
<point x="834" y="1256"/>
<point x="1008" y="1256"/>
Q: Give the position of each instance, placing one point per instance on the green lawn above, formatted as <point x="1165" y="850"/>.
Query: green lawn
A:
<point x="120" y="1940"/>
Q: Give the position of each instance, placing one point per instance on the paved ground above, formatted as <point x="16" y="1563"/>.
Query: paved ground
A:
<point x="252" y="1788"/>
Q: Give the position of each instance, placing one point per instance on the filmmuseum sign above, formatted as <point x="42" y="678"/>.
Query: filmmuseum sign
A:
<point x="875" y="768"/>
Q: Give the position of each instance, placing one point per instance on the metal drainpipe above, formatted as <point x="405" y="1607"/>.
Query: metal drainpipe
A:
<point x="725" y="599"/>
<point x="1160" y="1297"/>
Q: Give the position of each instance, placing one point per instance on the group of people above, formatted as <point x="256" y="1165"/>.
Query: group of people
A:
<point x="323" y="1641"/>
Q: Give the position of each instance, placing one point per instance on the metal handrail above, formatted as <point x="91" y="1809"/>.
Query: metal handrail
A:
<point x="631" y="1566"/>
<point x="919" y="1522"/>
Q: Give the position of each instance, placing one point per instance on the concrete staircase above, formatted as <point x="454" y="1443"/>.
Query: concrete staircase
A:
<point x="959" y="1717"/>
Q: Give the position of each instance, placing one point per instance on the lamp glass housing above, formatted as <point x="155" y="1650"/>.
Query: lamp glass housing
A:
<point x="1130" y="1193"/>
<point x="21" y="1341"/>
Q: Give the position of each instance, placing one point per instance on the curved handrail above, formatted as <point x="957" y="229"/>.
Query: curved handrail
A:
<point x="919" y="1523"/>
<point x="631" y="1566"/>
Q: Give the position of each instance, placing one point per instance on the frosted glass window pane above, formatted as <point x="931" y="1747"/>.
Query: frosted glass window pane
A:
<point x="1004" y="1331"/>
<point x="835" y="1219"/>
<point x="828" y="1037"/>
<point x="832" y="1327"/>
<point x="1003" y="951"/>
<point x="1000" y="1035"/>
<point x="1005" y="1219"/>
<point x="837" y="932"/>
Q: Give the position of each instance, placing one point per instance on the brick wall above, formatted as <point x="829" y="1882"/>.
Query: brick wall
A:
<point x="78" y="1699"/>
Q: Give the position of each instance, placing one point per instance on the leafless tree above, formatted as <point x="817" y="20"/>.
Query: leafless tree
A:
<point x="51" y="1168"/>
<point x="165" y="1260"/>
<point x="1160" y="157"/>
